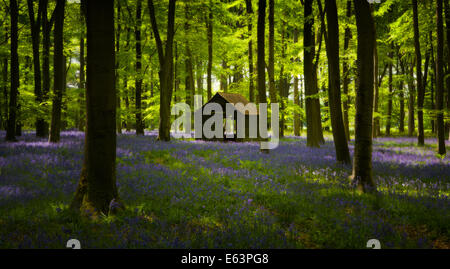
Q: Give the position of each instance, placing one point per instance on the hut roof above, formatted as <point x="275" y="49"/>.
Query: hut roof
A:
<point x="232" y="98"/>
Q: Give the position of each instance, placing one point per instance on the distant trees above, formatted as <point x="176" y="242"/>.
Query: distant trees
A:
<point x="217" y="41"/>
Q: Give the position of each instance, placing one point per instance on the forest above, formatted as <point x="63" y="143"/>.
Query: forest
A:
<point x="358" y="101"/>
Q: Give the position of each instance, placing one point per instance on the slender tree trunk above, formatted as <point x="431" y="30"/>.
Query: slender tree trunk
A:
<point x="391" y="89"/>
<point x="97" y="187"/>
<point x="297" y="119"/>
<point x="433" y="82"/>
<point x="376" y="118"/>
<point x="35" y="26"/>
<point x="362" y="163"/>
<point x="210" y="51"/>
<point x="11" y="127"/>
<point x="117" y="81"/>
<point x="346" y="72"/>
<point x="58" y="72"/>
<point x="199" y="76"/>
<point x="165" y="56"/>
<point x="81" y="97"/>
<point x="334" y="91"/>
<point x="440" y="79"/>
<point x="447" y="80"/>
<point x="223" y="77"/>
<point x="46" y="32"/>
<point x="262" y="98"/>
<point x="125" y="85"/>
<point x="271" y="64"/>
<point x="176" y="74"/>
<point x="283" y="81"/>
<point x="138" y="80"/>
<point x="251" y="89"/>
<point x="189" y="79"/>
<point x="420" y="88"/>
<point x="313" y="121"/>
<point x="5" y="92"/>
<point x="412" y="94"/>
<point x="401" y="127"/>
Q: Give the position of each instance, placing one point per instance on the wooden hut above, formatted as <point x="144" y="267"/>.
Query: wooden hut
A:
<point x="223" y="99"/>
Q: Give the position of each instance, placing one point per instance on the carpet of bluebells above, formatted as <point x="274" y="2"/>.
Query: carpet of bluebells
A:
<point x="197" y="194"/>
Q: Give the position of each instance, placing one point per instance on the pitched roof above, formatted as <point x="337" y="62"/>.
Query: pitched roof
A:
<point x="234" y="98"/>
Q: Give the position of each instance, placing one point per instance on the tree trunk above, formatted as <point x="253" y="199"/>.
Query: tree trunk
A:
<point x="389" y="109"/>
<point x="5" y="93"/>
<point x="81" y="97"/>
<point x="166" y="68"/>
<point x="210" y="51"/>
<point x="35" y="26"/>
<point x="58" y="72"/>
<point x="334" y="91"/>
<point x="401" y="90"/>
<point x="189" y="79"/>
<point x="271" y="64"/>
<point x="283" y="81"/>
<point x="313" y="121"/>
<point x="346" y="72"/>
<point x="440" y="79"/>
<point x="433" y="82"/>
<point x="199" y="77"/>
<point x="447" y="80"/>
<point x="251" y="88"/>
<point x="138" y="80"/>
<point x="97" y="186"/>
<point x="176" y="75"/>
<point x="125" y="85"/>
<point x="46" y="32"/>
<point x="117" y="81"/>
<point x="297" y="119"/>
<point x="420" y="87"/>
<point x="262" y="98"/>
<point x="362" y="164"/>
<point x="376" y="118"/>
<point x="223" y="77"/>
<point x="11" y="127"/>
<point x="412" y="90"/>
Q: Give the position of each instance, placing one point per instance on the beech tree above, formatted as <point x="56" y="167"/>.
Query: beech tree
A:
<point x="165" y="56"/>
<point x="11" y="126"/>
<point x="97" y="191"/>
<point x="362" y="160"/>
<point x="334" y="91"/>
<point x="59" y="67"/>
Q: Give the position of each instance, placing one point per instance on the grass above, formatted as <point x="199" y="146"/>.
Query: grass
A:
<point x="193" y="194"/>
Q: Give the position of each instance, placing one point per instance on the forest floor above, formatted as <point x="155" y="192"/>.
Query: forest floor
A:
<point x="196" y="194"/>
